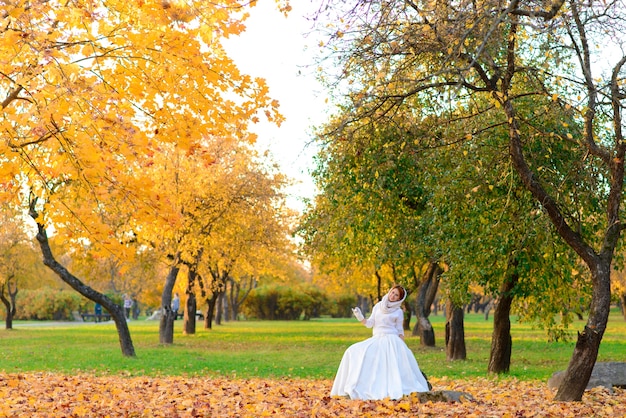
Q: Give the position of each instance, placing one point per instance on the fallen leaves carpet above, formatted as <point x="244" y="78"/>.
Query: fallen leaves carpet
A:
<point x="56" y="395"/>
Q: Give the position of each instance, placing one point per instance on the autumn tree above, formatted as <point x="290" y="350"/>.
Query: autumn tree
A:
<point x="16" y="260"/>
<point x="198" y="194"/>
<point x="505" y="53"/>
<point x="340" y="279"/>
<point x="91" y="90"/>
<point x="367" y="216"/>
<point x="491" y="231"/>
<point x="265" y="252"/>
<point x="253" y="230"/>
<point x="190" y="195"/>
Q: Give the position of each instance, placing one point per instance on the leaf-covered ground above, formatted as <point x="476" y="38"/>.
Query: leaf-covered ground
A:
<point x="55" y="395"/>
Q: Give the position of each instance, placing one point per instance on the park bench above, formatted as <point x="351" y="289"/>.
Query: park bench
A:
<point x="199" y="315"/>
<point x="95" y="317"/>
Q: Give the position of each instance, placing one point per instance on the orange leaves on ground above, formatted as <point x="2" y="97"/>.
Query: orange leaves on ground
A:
<point x="44" y="394"/>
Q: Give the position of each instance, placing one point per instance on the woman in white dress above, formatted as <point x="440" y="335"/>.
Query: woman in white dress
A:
<point x="381" y="366"/>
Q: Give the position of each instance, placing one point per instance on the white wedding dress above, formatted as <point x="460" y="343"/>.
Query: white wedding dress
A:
<point x="381" y="366"/>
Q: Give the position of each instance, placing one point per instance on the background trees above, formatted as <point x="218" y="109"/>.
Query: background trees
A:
<point x="16" y="257"/>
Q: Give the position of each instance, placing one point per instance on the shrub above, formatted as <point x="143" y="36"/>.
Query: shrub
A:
<point x="261" y="303"/>
<point x="278" y="302"/>
<point x="341" y="306"/>
<point x="49" y="304"/>
<point x="315" y="303"/>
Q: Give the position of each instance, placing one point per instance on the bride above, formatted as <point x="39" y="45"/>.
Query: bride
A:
<point x="381" y="366"/>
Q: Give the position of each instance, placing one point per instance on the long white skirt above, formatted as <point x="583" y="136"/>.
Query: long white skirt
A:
<point x="380" y="367"/>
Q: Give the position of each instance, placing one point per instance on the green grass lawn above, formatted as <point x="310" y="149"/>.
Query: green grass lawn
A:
<point x="274" y="349"/>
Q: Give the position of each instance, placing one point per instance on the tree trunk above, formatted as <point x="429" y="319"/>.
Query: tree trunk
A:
<point x="425" y="330"/>
<point x="588" y="344"/>
<point x="9" y="301"/>
<point x="501" y="342"/>
<point x="455" y="332"/>
<point x="237" y="298"/>
<point x="166" y="326"/>
<point x="622" y="298"/>
<point x="219" y="309"/>
<point x="189" y="318"/>
<point x="189" y="321"/>
<point x="379" y="284"/>
<point x="425" y="298"/>
<point x="233" y="296"/>
<point x="116" y="311"/>
<point x="208" y="318"/>
<point x="406" y="323"/>
<point x="488" y="309"/>
<point x="191" y="306"/>
<point x="8" y="321"/>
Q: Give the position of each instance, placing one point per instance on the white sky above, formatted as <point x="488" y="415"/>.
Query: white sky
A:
<point x="276" y="49"/>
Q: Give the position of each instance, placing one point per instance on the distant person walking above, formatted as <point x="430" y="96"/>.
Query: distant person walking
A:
<point x="175" y="305"/>
<point x="97" y="310"/>
<point x="128" y="304"/>
<point x="136" y="310"/>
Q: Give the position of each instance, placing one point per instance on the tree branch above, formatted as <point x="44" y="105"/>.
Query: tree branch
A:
<point x="546" y="15"/>
<point x="13" y="95"/>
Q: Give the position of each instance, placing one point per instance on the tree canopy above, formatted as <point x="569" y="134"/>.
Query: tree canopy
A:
<point x="93" y="90"/>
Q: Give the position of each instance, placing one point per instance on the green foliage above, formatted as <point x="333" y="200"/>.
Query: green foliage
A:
<point x="279" y="302"/>
<point x="50" y="304"/>
<point x="495" y="228"/>
<point x="396" y="191"/>
<point x="370" y="214"/>
<point x="340" y="306"/>
<point x="314" y="301"/>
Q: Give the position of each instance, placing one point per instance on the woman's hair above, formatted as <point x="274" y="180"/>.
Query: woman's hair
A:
<point x="400" y="289"/>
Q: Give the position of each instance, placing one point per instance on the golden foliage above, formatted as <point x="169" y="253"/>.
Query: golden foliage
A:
<point x="91" y="90"/>
<point x="618" y="282"/>
<point x="46" y="395"/>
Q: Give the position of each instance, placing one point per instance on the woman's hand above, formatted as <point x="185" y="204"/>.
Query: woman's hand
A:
<point x="358" y="314"/>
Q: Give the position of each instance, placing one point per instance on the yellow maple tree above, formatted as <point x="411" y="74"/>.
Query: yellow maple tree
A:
<point x="218" y="197"/>
<point x="250" y="242"/>
<point x="93" y="88"/>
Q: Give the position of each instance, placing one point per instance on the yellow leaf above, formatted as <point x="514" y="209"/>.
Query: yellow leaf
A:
<point x="404" y="406"/>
